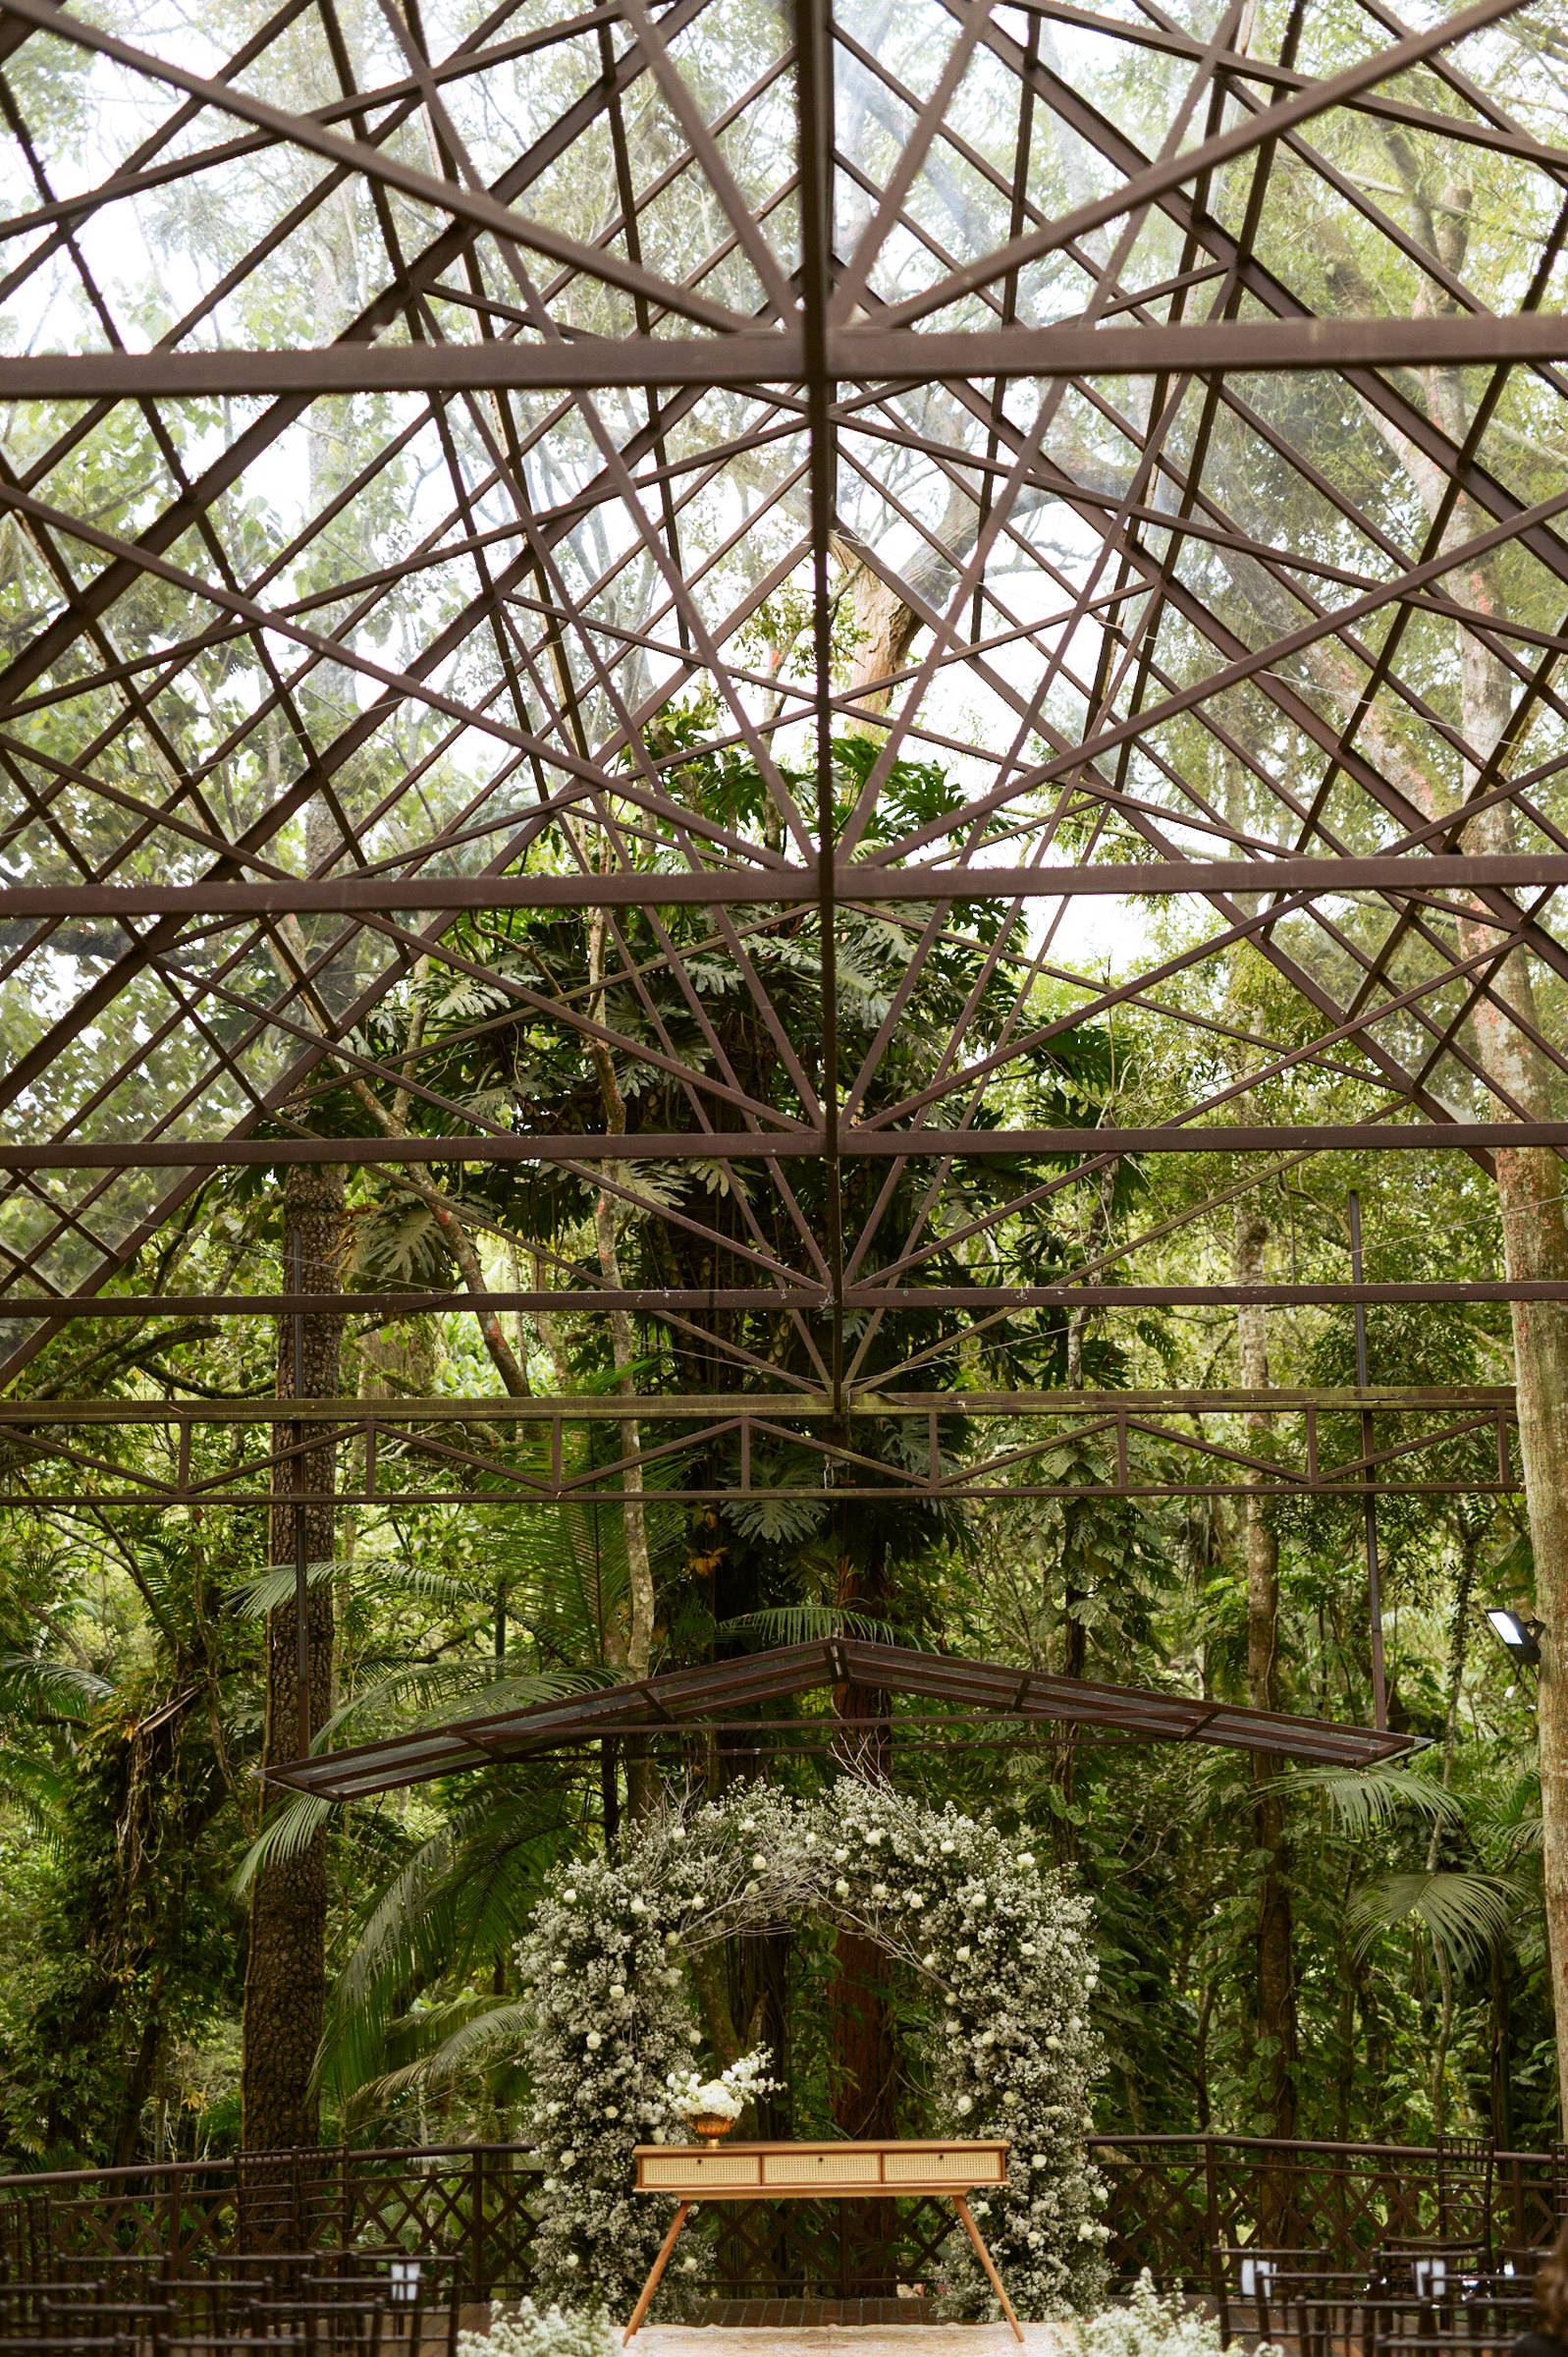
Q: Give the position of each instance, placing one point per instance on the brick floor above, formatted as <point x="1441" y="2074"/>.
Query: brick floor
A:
<point x="737" y="2312"/>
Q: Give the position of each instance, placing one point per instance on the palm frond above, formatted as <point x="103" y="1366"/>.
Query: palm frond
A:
<point x="472" y="1682"/>
<point x="33" y="1786"/>
<point x="291" y="1828"/>
<point x="262" y="1593"/>
<point x="255" y="1597"/>
<point x="472" y="2045"/>
<point x="1465" y="1916"/>
<point x="464" y="1898"/>
<point x="1362" y="1798"/>
<point x="65" y="1688"/>
<point x="799" y="1623"/>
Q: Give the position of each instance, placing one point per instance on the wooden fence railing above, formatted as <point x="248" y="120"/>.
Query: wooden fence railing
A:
<point x="1174" y="2200"/>
<point x="468" y="2201"/>
<point x="1177" y="2199"/>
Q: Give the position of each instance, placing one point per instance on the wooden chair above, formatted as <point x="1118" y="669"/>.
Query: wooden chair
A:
<point x="1253" y="2269"/>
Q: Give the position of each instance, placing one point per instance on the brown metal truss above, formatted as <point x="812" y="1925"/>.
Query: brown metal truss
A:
<point x="494" y="1452"/>
<point x="1123" y="361"/>
<point x="690" y="1701"/>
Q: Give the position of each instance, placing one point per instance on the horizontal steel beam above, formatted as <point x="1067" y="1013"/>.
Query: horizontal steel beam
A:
<point x="279" y="896"/>
<point x="811" y="1408"/>
<point x="860" y="354"/>
<point x="793" y="1145"/>
<point x="650" y="1302"/>
<point x="899" y="1490"/>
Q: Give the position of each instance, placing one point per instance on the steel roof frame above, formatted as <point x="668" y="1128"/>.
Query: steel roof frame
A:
<point x="573" y="396"/>
<point x="702" y="1699"/>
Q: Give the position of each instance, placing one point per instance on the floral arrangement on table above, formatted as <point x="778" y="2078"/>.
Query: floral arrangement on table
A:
<point x="530" y="2332"/>
<point x="713" y="2106"/>
<point x="1151" y="2326"/>
<point x="609" y="2030"/>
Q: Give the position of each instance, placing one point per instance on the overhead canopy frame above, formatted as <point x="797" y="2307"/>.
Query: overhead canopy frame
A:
<point x="687" y="1700"/>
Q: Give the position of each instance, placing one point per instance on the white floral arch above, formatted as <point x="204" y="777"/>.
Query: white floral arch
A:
<point x="608" y="2017"/>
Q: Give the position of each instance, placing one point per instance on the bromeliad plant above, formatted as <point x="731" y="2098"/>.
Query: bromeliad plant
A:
<point x="609" y="2030"/>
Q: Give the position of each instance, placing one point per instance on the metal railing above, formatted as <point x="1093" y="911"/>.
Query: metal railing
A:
<point x="1178" y="2201"/>
<point x="1175" y="2202"/>
<point x="465" y="2200"/>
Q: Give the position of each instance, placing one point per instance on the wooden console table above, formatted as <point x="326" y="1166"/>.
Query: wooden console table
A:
<point x="803" y="2172"/>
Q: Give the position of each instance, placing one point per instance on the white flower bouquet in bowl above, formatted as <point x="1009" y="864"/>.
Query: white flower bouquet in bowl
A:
<point x="710" y="2107"/>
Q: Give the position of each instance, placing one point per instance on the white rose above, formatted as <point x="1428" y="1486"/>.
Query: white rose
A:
<point x="1054" y="2046"/>
<point x="879" y="1890"/>
<point x="593" y="2041"/>
<point x="966" y="2103"/>
<point x="963" y="1954"/>
<point x="672" y="1938"/>
<point x="1026" y="1948"/>
<point x="874" y="1836"/>
<point x="748" y="1824"/>
<point x="552" y="2111"/>
<point x="678" y="1832"/>
<point x="759" y="1863"/>
<point x="1041" y="2160"/>
<point x="638" y="1907"/>
<point x="1010" y="2100"/>
<point x="617" y="1988"/>
<point x="839" y="1856"/>
<point x="572" y="2259"/>
<point x="947" y="1848"/>
<point x="810" y="1841"/>
<point x="840" y="1889"/>
<point x="916" y="1899"/>
<point x="570" y="1896"/>
<point x="610" y="2112"/>
<point x="1026" y="1857"/>
<point x="1086" y="2232"/>
<point x="568" y="2160"/>
<point x="558" y="1966"/>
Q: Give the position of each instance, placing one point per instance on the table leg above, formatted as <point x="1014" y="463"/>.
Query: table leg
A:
<point x="645" y="2300"/>
<point x="988" y="2263"/>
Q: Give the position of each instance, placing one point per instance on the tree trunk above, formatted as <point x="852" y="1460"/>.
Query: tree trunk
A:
<point x="642" y="1783"/>
<point x="1537" y="1245"/>
<point x="285" y="1998"/>
<point x="1276" y="1980"/>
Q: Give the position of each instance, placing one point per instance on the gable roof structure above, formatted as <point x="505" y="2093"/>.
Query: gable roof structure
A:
<point x="693" y="1700"/>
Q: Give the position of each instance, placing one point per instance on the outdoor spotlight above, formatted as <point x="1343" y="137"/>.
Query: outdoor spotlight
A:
<point x="1521" y="1638"/>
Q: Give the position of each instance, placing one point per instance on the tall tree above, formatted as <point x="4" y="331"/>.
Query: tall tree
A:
<point x="1275" y="1981"/>
<point x="286" y="1982"/>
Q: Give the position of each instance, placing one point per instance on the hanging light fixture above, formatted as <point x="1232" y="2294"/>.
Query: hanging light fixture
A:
<point x="1521" y="1639"/>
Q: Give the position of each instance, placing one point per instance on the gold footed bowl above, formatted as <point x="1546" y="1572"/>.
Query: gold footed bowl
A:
<point x="710" y="2126"/>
